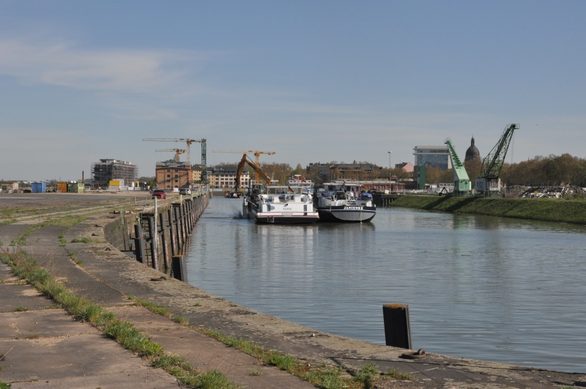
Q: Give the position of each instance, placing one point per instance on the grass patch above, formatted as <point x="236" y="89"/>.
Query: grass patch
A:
<point x="20" y="308"/>
<point x="398" y="375"/>
<point x="4" y="385"/>
<point x="153" y="307"/>
<point x="367" y="375"/>
<point x="20" y="240"/>
<point x="82" y="239"/>
<point x="160" y="310"/>
<point x="122" y="331"/>
<point x="321" y="376"/>
<point x="73" y="258"/>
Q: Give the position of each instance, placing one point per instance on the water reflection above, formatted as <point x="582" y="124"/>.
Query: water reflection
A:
<point x="479" y="287"/>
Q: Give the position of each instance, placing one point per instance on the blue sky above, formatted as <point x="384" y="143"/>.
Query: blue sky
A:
<point x="310" y="80"/>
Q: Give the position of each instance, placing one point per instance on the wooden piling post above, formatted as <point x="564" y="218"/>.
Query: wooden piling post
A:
<point x="139" y="242"/>
<point x="397" y="327"/>
<point x="153" y="237"/>
<point x="178" y="268"/>
<point x="172" y="236"/>
<point x="165" y="249"/>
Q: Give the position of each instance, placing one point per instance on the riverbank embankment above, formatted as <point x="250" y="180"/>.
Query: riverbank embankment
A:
<point x="553" y="210"/>
<point x="75" y="252"/>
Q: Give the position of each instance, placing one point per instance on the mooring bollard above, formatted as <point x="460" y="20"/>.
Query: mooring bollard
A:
<point x="397" y="328"/>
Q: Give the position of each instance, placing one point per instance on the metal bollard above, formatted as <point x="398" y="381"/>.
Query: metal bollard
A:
<point x="397" y="328"/>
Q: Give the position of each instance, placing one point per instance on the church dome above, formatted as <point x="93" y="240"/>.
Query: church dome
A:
<point x="472" y="153"/>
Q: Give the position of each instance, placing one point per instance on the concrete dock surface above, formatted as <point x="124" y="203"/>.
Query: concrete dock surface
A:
<point x="42" y="346"/>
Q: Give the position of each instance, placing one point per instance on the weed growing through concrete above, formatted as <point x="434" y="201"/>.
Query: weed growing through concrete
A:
<point x="160" y="310"/>
<point x="121" y="331"/>
<point x="255" y="372"/>
<point x="321" y="376"/>
<point x="368" y="375"/>
<point x="4" y="385"/>
<point x="20" y="308"/>
<point x="73" y="258"/>
<point x="398" y="375"/>
<point x="153" y="307"/>
<point x="82" y="239"/>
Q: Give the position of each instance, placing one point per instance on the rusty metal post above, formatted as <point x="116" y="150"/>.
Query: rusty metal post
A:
<point x="397" y="327"/>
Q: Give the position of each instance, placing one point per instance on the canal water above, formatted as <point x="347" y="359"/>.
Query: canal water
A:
<point x="477" y="287"/>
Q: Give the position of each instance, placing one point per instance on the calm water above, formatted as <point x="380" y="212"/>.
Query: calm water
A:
<point x="477" y="287"/>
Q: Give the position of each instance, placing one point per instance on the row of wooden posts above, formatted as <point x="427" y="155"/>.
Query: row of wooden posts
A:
<point x="161" y="235"/>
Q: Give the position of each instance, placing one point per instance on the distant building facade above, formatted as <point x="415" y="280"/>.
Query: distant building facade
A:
<point x="113" y="169"/>
<point x="323" y="172"/>
<point x="223" y="177"/>
<point x="172" y="174"/>
<point x="434" y="156"/>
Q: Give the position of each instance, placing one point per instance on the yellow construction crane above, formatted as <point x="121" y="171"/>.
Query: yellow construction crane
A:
<point x="255" y="166"/>
<point x="256" y="153"/>
<point x="188" y="142"/>
<point x="177" y="152"/>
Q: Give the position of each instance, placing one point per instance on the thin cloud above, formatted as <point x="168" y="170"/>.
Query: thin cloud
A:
<point x="63" y="64"/>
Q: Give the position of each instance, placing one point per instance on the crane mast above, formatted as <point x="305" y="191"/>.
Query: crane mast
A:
<point x="462" y="182"/>
<point x="489" y="179"/>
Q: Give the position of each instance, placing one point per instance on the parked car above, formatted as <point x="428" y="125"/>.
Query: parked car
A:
<point x="160" y="194"/>
<point x="184" y="191"/>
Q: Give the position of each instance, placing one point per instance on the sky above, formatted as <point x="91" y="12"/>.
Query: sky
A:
<point x="312" y="81"/>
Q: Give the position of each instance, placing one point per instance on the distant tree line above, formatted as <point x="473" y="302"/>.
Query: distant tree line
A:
<point x="546" y="171"/>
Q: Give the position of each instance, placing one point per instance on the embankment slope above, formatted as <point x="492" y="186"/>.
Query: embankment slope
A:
<point x="555" y="210"/>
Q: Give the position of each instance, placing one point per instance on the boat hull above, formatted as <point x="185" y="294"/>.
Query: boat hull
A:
<point x="285" y="218"/>
<point x="346" y="214"/>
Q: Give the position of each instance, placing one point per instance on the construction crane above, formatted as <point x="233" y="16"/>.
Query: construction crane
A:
<point x="462" y="182"/>
<point x="256" y="153"/>
<point x="489" y="180"/>
<point x="188" y="142"/>
<point x="255" y="166"/>
<point x="177" y="152"/>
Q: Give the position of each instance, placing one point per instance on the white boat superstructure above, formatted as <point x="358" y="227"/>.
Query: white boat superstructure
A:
<point x="344" y="202"/>
<point x="282" y="204"/>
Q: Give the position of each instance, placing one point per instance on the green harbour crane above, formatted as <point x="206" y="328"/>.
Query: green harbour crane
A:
<point x="462" y="182"/>
<point x="489" y="180"/>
